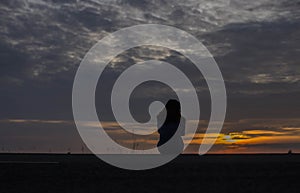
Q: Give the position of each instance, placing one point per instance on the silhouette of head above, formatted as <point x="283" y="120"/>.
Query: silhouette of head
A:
<point x="173" y="111"/>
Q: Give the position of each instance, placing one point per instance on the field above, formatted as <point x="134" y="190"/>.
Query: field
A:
<point x="43" y="173"/>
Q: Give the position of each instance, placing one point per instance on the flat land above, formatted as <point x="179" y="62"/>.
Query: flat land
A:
<point x="42" y="173"/>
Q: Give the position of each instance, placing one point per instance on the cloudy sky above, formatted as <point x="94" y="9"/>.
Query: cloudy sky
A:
<point x="255" y="43"/>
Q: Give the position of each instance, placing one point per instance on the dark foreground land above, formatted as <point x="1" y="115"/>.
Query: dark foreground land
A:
<point x="210" y="173"/>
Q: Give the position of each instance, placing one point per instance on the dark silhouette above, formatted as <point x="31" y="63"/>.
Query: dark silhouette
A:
<point x="169" y="121"/>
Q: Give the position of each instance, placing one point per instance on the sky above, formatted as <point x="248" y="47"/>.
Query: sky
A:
<point x="255" y="43"/>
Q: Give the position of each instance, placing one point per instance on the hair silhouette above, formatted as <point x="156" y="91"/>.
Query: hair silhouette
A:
<point x="171" y="127"/>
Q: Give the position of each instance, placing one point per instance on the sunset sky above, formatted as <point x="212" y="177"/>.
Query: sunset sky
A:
<point x="255" y="43"/>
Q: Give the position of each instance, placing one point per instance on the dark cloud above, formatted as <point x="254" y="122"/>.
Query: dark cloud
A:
<point x="39" y="136"/>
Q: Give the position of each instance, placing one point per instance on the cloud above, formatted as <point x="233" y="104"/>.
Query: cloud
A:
<point x="59" y="135"/>
<point x="61" y="32"/>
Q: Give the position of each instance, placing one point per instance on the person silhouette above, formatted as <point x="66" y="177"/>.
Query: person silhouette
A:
<point x="171" y="126"/>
